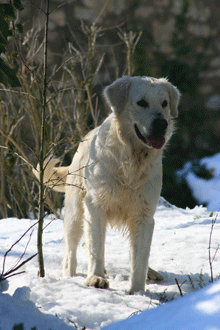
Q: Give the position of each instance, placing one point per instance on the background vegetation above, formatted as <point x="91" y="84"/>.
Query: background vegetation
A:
<point x="90" y="44"/>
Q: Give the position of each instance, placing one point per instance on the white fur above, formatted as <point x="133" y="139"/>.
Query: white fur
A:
<point x="116" y="178"/>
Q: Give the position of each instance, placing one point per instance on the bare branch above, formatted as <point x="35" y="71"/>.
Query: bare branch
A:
<point x="101" y="12"/>
<point x="61" y="65"/>
<point x="20" y="54"/>
<point x="210" y="244"/>
<point x="15" y="265"/>
<point x="179" y="286"/>
<point x="15" y="153"/>
<point x="19" y="266"/>
<point x="19" y="92"/>
<point x="58" y="6"/>
<point x="61" y="91"/>
<point x="9" y="250"/>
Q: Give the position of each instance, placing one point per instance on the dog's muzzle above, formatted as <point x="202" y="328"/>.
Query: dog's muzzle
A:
<point x="156" y="138"/>
<point x="159" y="126"/>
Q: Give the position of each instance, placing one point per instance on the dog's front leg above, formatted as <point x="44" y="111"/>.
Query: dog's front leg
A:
<point x="95" y="228"/>
<point x="140" y="240"/>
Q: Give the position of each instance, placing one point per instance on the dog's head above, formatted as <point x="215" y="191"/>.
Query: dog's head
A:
<point x="147" y="104"/>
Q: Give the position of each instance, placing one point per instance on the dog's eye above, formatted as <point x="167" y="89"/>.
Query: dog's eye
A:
<point x="142" y="103"/>
<point x="164" y="104"/>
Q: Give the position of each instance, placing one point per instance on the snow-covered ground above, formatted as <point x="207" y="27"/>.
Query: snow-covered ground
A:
<point x="180" y="251"/>
<point x="200" y="311"/>
<point x="204" y="191"/>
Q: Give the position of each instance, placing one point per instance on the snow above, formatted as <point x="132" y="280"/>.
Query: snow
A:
<point x="19" y="309"/>
<point x="180" y="252"/>
<point x="200" y="310"/>
<point x="204" y="191"/>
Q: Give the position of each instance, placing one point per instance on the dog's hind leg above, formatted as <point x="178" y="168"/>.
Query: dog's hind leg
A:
<point x="153" y="275"/>
<point x="73" y="230"/>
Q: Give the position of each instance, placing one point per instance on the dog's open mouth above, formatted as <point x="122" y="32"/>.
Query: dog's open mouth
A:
<point x="155" y="141"/>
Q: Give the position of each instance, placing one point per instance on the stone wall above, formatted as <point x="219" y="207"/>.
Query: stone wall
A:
<point x="195" y="22"/>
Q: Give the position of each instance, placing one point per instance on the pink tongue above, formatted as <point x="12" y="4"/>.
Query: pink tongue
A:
<point x="156" y="142"/>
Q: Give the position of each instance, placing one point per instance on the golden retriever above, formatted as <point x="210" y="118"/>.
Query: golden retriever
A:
<point x="116" y="177"/>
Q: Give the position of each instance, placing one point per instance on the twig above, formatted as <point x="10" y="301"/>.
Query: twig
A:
<point x="4" y="275"/>
<point x="63" y="90"/>
<point x="101" y="12"/>
<point x="19" y="92"/>
<point x="75" y="325"/>
<point x="15" y="265"/>
<point x="3" y="278"/>
<point x="91" y="106"/>
<point x="19" y="156"/>
<point x="210" y="243"/>
<point x="179" y="286"/>
<point x="6" y="253"/>
<point x="19" y="266"/>
<point x="58" y="6"/>
<point x="61" y="65"/>
<point x="135" y="313"/>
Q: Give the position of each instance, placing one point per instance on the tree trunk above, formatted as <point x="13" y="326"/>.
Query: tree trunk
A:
<point x="41" y="156"/>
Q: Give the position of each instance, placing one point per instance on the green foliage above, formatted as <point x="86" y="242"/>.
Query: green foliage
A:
<point x="20" y="326"/>
<point x="179" y="42"/>
<point x="194" y="138"/>
<point x="8" y="75"/>
<point x="177" y="192"/>
<point x="143" y="63"/>
<point x="7" y="13"/>
<point x="181" y="75"/>
<point x="201" y="171"/>
<point x="19" y="28"/>
<point x="4" y="28"/>
<point x="18" y="5"/>
<point x="178" y="70"/>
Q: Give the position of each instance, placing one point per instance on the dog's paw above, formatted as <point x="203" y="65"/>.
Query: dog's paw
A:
<point x="153" y="275"/>
<point x="97" y="282"/>
<point x="136" y="287"/>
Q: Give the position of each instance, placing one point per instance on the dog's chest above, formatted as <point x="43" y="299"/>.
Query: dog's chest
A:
<point x="133" y="171"/>
<point x="129" y="174"/>
<point x="123" y="188"/>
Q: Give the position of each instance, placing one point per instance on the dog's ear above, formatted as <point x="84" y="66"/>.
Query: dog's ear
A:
<point x="174" y="98"/>
<point x="116" y="94"/>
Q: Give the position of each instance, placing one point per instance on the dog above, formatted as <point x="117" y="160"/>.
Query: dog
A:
<point x="116" y="177"/>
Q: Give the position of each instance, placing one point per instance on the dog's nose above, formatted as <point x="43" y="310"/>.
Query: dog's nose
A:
<point x="160" y="125"/>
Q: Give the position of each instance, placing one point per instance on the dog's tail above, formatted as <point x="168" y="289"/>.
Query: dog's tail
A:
<point x="54" y="177"/>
